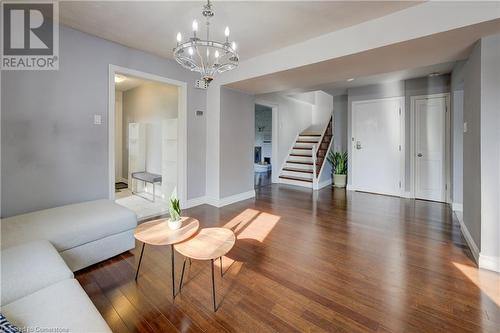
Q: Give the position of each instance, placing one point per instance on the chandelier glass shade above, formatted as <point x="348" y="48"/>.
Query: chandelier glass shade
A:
<point x="206" y="56"/>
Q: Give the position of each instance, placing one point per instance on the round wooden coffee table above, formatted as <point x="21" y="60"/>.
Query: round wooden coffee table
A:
<point x="157" y="232"/>
<point x="208" y="244"/>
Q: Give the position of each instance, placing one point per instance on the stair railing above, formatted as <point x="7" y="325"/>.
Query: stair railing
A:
<point x="315" y="178"/>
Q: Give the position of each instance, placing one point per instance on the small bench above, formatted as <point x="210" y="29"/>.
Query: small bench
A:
<point x="146" y="177"/>
<point x="83" y="234"/>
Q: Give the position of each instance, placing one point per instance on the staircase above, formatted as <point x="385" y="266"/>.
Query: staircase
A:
<point x="304" y="162"/>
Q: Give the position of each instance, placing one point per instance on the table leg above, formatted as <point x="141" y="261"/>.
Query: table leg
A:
<point x="182" y="274"/>
<point x="153" y="192"/>
<point x="213" y="283"/>
<point x="140" y="259"/>
<point x="220" y="266"/>
<point x="173" y="273"/>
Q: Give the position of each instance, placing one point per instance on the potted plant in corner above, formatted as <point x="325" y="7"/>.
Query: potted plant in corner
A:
<point x="174" y="208"/>
<point x="339" y="167"/>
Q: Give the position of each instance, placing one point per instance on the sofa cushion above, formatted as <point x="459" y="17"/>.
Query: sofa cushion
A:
<point x="30" y="267"/>
<point x="6" y="326"/>
<point x="63" y="306"/>
<point x="68" y="226"/>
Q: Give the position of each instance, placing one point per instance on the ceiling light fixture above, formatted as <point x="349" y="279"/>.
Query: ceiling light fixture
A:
<point x="196" y="54"/>
<point x="433" y="74"/>
<point x="350" y="80"/>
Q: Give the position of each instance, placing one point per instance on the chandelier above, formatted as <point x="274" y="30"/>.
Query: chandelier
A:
<point x="206" y="56"/>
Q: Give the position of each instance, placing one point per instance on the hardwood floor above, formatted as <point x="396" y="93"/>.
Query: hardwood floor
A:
<point x="310" y="262"/>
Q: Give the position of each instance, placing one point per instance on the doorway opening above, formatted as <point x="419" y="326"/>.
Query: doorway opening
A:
<point x="147" y="141"/>
<point x="263" y="147"/>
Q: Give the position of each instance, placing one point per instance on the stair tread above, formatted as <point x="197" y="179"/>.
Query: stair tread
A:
<point x="303" y="148"/>
<point x="301" y="155"/>
<point x="298" y="170"/>
<point x="299" y="162"/>
<point x="300" y="179"/>
<point x="305" y="134"/>
<point x="306" y="141"/>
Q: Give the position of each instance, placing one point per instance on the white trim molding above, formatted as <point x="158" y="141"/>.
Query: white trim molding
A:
<point x="468" y="238"/>
<point x="230" y="199"/>
<point x="182" y="127"/>
<point x="491" y="263"/>
<point x="323" y="184"/>
<point x="457" y="207"/>
<point x="195" y="202"/>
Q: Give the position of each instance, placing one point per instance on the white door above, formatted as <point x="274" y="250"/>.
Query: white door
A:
<point x="430" y="148"/>
<point x="377" y="146"/>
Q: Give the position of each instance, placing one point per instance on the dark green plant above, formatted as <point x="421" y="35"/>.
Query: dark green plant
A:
<point x="174" y="207"/>
<point x="338" y="161"/>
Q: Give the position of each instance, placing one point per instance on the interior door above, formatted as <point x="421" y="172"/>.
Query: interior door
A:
<point x="430" y="148"/>
<point x="377" y="146"/>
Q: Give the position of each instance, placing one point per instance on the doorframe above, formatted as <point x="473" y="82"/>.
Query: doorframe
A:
<point x="181" y="130"/>
<point x="274" y="138"/>
<point x="447" y="142"/>
<point x="402" y="140"/>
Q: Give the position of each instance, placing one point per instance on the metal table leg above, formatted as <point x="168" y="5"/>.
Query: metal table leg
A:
<point x="173" y="273"/>
<point x="182" y="274"/>
<point x="140" y="259"/>
<point x="213" y="283"/>
<point x="220" y="266"/>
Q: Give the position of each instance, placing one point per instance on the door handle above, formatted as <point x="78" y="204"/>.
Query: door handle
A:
<point x="358" y="145"/>
<point x="420" y="155"/>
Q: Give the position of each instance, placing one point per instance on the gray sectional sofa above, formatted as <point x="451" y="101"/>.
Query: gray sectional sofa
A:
<point x="40" y="252"/>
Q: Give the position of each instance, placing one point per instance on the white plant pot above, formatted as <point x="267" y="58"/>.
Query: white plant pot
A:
<point x="174" y="225"/>
<point x="339" y="180"/>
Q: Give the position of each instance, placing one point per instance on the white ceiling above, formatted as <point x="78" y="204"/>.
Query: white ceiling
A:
<point x="257" y="27"/>
<point x="412" y="58"/>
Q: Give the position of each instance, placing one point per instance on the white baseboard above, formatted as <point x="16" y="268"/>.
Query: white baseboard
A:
<point x="323" y="184"/>
<point x="349" y="187"/>
<point x="458" y="207"/>
<point x="231" y="199"/>
<point x="468" y="238"/>
<point x="491" y="263"/>
<point x="195" y="202"/>
<point x="407" y="195"/>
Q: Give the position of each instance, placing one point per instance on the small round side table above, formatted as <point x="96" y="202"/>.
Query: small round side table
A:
<point x="208" y="244"/>
<point x="158" y="233"/>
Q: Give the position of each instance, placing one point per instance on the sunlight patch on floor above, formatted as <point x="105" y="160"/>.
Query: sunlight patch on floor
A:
<point x="488" y="282"/>
<point x="253" y="224"/>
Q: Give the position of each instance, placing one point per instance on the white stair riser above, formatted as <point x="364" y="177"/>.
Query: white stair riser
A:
<point x="306" y="145"/>
<point x="312" y="138"/>
<point x="302" y="151"/>
<point x="300" y="158"/>
<point x="297" y="174"/>
<point x="295" y="182"/>
<point x="299" y="166"/>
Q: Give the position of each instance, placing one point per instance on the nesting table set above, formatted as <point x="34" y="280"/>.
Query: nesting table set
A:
<point x="207" y="244"/>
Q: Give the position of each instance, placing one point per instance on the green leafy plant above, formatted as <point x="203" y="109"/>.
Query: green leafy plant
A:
<point x="174" y="207"/>
<point x="338" y="161"/>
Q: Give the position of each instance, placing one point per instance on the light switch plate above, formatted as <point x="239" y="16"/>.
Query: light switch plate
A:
<point x="97" y="119"/>
<point x="465" y="127"/>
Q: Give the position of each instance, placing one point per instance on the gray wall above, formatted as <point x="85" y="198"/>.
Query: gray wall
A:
<point x="52" y="153"/>
<point x="237" y="123"/>
<point x="407" y="88"/>
<point x="490" y="148"/>
<point x="472" y="144"/>
<point x="457" y="121"/>
<point x="340" y="123"/>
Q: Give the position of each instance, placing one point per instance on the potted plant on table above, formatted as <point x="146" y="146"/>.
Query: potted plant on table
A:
<point x="339" y="167"/>
<point x="174" y="208"/>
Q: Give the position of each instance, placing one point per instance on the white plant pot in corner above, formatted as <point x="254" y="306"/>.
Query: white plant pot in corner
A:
<point x="174" y="225"/>
<point x="339" y="180"/>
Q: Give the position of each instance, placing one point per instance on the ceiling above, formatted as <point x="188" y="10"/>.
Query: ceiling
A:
<point x="412" y="58"/>
<point x="257" y="26"/>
